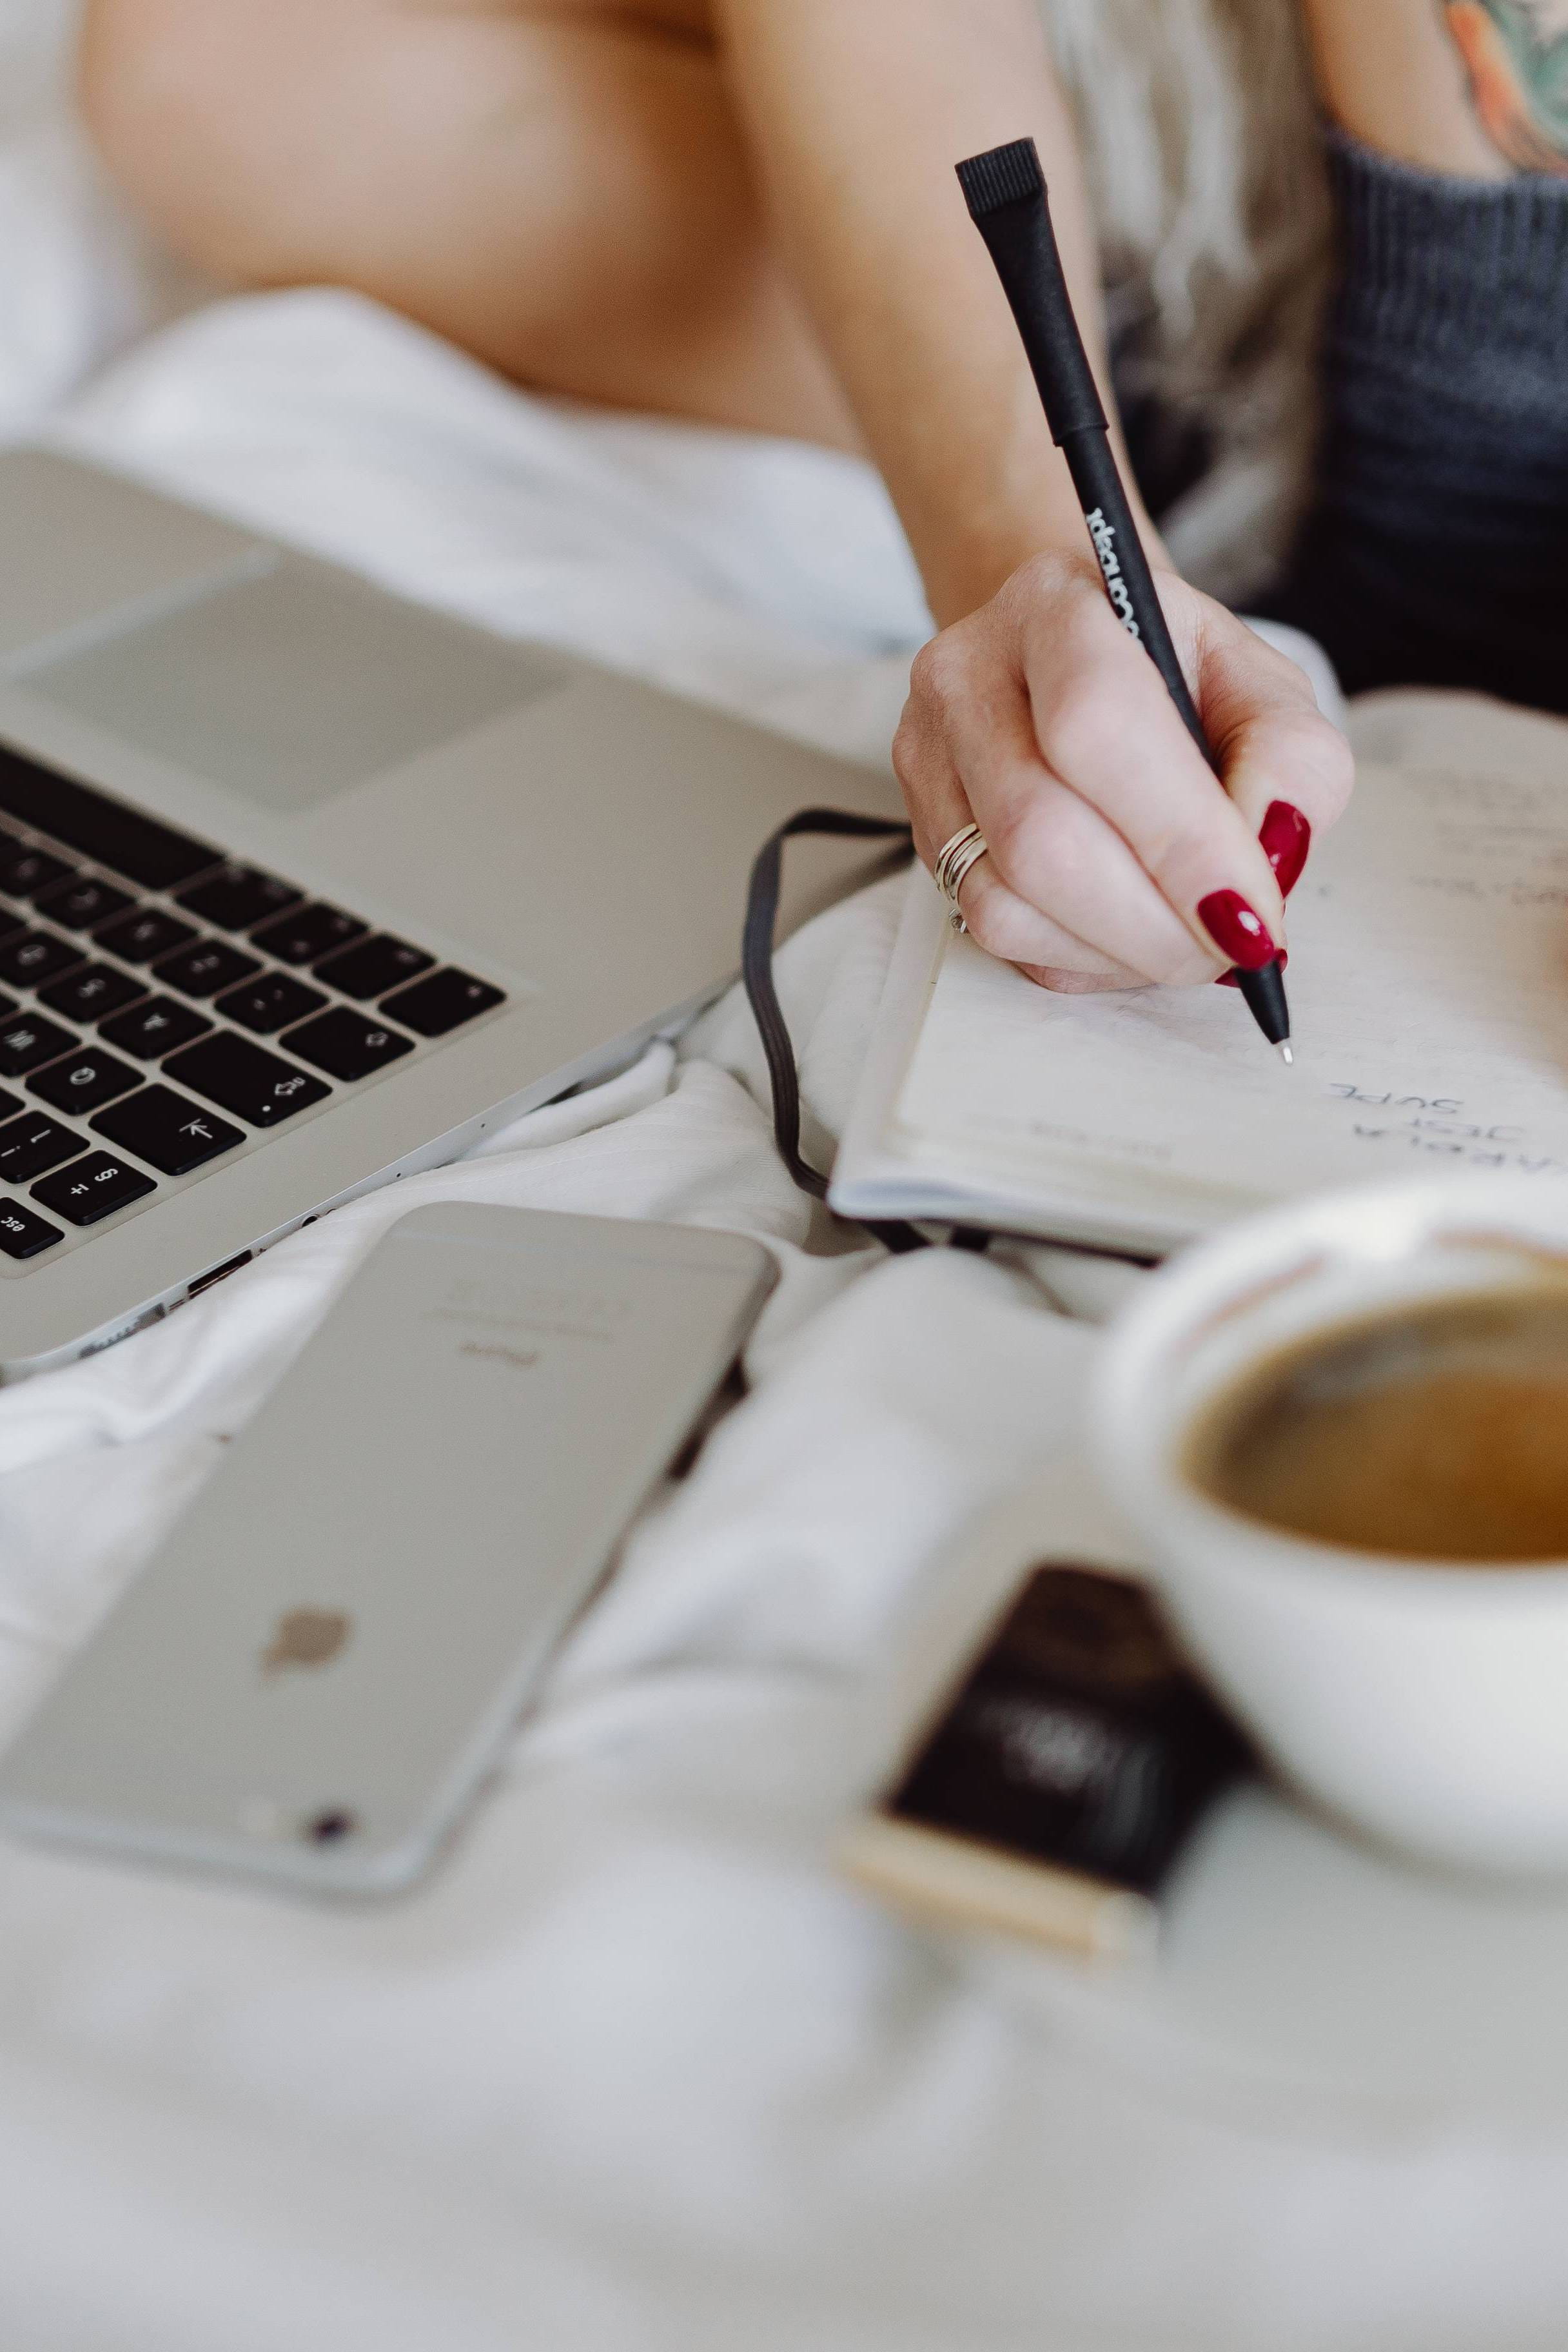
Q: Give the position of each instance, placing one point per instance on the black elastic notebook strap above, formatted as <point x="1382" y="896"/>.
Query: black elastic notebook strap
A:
<point x="757" y="978"/>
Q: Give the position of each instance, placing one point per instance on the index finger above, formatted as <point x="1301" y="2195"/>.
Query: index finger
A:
<point x="1288" y="769"/>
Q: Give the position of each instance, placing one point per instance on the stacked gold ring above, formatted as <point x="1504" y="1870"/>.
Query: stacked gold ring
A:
<point x="963" y="849"/>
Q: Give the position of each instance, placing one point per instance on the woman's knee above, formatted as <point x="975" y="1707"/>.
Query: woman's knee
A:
<point x="232" y="124"/>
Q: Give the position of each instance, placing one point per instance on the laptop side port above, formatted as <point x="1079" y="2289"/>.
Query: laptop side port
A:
<point x="216" y="1273"/>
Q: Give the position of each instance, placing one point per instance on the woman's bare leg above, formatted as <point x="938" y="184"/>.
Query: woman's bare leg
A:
<point x="562" y="189"/>
<point x="585" y="193"/>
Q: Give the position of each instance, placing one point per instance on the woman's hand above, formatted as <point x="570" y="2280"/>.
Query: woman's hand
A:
<point x="1115" y="858"/>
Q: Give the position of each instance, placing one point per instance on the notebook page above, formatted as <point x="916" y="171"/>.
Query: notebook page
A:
<point x="1429" y="985"/>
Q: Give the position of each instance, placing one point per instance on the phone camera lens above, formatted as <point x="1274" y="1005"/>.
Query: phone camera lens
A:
<point x="327" y="1828"/>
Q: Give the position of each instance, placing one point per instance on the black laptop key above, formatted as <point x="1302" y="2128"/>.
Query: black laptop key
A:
<point x="30" y="957"/>
<point x="445" y="1000"/>
<point x="23" y="1234"/>
<point x="373" y="966"/>
<point x="166" y="1129"/>
<point x="25" y="871"/>
<point x="271" y="1003"/>
<point x="25" y="1044"/>
<point x="348" y="1046"/>
<point x="137" y="937"/>
<point x="94" y="1188"/>
<point x="84" y="1079"/>
<point x="79" y="902"/>
<point x="244" y="1079"/>
<point x="205" y="968"/>
<point x="11" y="918"/>
<point x="30" y="1146"/>
<point x="307" y="933"/>
<point x="106" y="831"/>
<point x="155" y="1028"/>
<point x="90" y="991"/>
<point x="238" y="896"/>
<point x="10" y="1104"/>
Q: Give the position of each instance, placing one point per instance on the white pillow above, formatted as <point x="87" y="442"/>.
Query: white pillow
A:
<point x="78" y="278"/>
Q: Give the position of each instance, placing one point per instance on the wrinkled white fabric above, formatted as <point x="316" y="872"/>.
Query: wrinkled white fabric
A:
<point x="635" y="2073"/>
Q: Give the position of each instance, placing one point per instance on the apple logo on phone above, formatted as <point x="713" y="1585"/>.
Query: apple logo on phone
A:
<point x="306" y="1637"/>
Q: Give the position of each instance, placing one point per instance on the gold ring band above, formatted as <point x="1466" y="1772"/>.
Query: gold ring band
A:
<point x="962" y="850"/>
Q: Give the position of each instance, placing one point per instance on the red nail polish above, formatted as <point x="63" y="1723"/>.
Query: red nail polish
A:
<point x="1228" y="979"/>
<point x="1285" y="838"/>
<point x="1236" y="931"/>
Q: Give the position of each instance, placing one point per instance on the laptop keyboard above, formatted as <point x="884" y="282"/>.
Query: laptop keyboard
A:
<point x="161" y="1006"/>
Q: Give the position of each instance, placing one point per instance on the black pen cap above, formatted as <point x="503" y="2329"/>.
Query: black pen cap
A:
<point x="1006" y="191"/>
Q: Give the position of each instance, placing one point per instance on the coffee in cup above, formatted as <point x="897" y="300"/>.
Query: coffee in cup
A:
<point x="1342" y="1431"/>
<point x="1438" y="1432"/>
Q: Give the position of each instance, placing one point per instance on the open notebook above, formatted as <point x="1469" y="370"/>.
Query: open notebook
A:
<point x="1429" y="1001"/>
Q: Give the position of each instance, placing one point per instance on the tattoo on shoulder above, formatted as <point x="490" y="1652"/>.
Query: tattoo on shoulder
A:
<point x="1516" y="56"/>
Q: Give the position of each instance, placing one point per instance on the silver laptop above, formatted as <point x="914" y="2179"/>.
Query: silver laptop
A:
<point x="303" y="888"/>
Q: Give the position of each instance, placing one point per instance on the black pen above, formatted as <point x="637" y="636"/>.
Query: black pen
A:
<point x="1006" y="191"/>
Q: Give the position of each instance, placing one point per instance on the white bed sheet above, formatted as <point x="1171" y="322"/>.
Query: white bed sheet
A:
<point x="635" y="2072"/>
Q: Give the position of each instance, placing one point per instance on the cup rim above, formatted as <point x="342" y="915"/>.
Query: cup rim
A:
<point x="1137" y="1462"/>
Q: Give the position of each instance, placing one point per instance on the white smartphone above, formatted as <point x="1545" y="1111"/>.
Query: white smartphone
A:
<point x="312" y="1679"/>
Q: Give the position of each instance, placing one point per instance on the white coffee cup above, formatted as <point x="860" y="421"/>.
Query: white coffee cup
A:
<point x="1425" y="1703"/>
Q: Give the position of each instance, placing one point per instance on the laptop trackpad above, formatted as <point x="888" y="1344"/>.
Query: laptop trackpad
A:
<point x="293" y="684"/>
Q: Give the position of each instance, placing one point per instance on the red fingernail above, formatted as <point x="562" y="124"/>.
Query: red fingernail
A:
<point x="1236" y="931"/>
<point x="1285" y="838"/>
<point x="1228" y="979"/>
